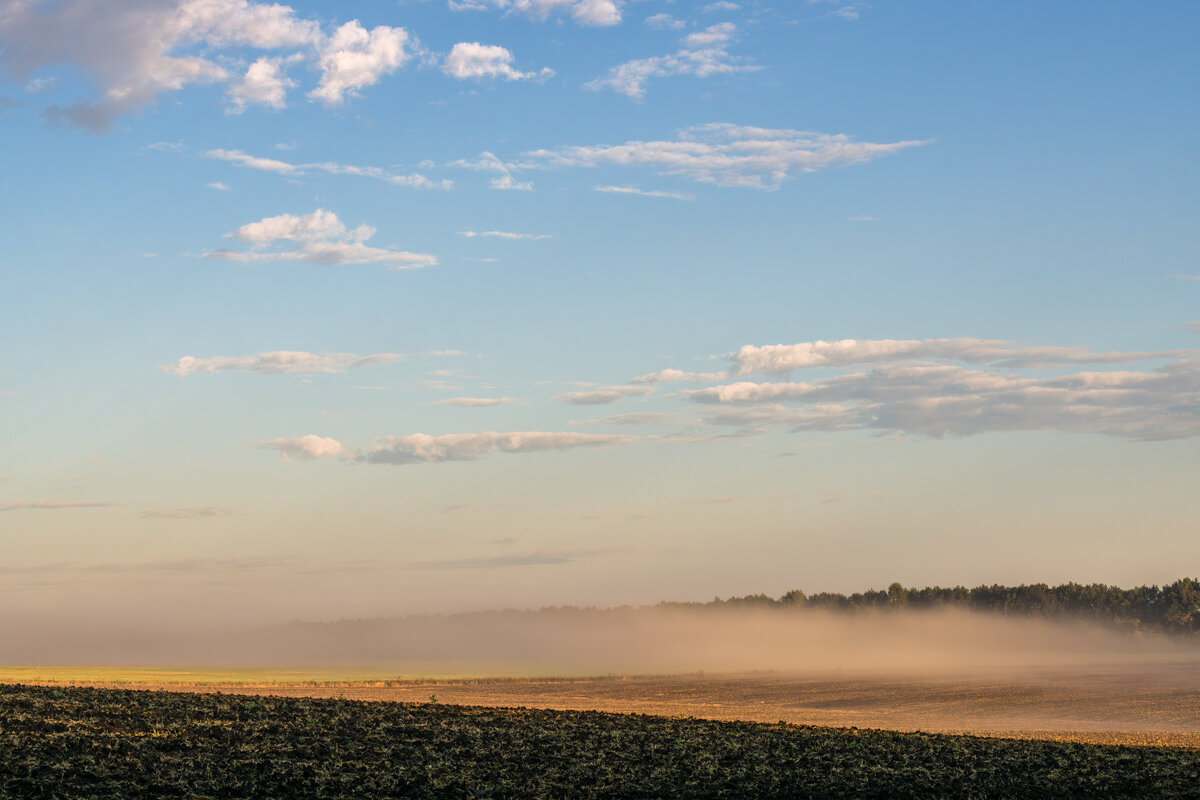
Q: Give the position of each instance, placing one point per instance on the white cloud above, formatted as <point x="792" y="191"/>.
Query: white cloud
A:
<point x="131" y="50"/>
<point x="938" y="400"/>
<point x="488" y="162"/>
<point x="721" y="5"/>
<point x="725" y="154"/>
<point x="422" y="448"/>
<point x="584" y="12"/>
<point x="304" y="448"/>
<point x="280" y="362"/>
<point x="784" y="357"/>
<point x="503" y="235"/>
<point x="474" y="402"/>
<point x="703" y="55"/>
<point x="135" y="50"/>
<point x="414" y="180"/>
<point x="354" y="58"/>
<point x="665" y="22"/>
<point x="474" y="60"/>
<point x="53" y="504"/>
<point x="316" y="238"/>
<point x="253" y="162"/>
<point x="602" y="395"/>
<point x="863" y="218"/>
<point x="646" y="193"/>
<point x="264" y="83"/>
<point x="220" y="187"/>
<point x="670" y="375"/>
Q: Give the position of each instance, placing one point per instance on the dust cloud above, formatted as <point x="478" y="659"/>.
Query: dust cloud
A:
<point x="629" y="641"/>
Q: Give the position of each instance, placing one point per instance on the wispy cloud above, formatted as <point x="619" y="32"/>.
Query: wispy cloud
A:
<point x="503" y="177"/>
<point x="316" y="238"/>
<point x="54" y="505"/>
<point x="996" y="352"/>
<point x="664" y="22"/>
<point x="634" y="418"/>
<point x="503" y="235"/>
<point x="414" y="180"/>
<point x="474" y="402"/>
<point x="280" y="362"/>
<point x="189" y="512"/>
<point x="673" y="375"/>
<point x="646" y="192"/>
<point x="220" y="187"/>
<point x="601" y="395"/>
<point x="535" y="559"/>
<point x="423" y="448"/>
<point x="703" y="55"/>
<point x="725" y="155"/>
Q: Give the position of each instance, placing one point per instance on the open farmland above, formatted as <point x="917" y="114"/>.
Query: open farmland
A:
<point x="98" y="743"/>
<point x="1121" y="704"/>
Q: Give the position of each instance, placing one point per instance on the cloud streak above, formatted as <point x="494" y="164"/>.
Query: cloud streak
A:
<point x="995" y="352"/>
<point x="474" y="402"/>
<point x="414" y="180"/>
<point x="725" y="155"/>
<point x="602" y="395"/>
<point x="503" y="235"/>
<point x="646" y="193"/>
<point x="50" y="505"/>
<point x="280" y="362"/>
<point x="423" y="448"/>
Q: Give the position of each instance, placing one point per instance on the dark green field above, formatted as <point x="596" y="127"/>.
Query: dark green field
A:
<point x="92" y="743"/>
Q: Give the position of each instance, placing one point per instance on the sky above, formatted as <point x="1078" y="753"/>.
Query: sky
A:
<point x="358" y="309"/>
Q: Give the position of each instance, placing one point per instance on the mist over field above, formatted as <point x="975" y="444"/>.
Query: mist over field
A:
<point x="626" y="640"/>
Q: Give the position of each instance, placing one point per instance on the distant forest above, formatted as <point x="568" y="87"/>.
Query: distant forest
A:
<point x="1174" y="608"/>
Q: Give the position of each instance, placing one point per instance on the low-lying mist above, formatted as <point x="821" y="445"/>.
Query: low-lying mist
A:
<point x="615" y="641"/>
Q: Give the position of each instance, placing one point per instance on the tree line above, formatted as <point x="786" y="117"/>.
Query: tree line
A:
<point x="1173" y="608"/>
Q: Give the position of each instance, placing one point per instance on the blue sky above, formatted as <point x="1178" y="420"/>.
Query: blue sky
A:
<point x="367" y="308"/>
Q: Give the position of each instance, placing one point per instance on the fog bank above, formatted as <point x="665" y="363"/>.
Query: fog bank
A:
<point x="613" y="641"/>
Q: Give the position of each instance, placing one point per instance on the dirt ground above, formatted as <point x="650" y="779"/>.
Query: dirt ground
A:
<point x="1144" y="705"/>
